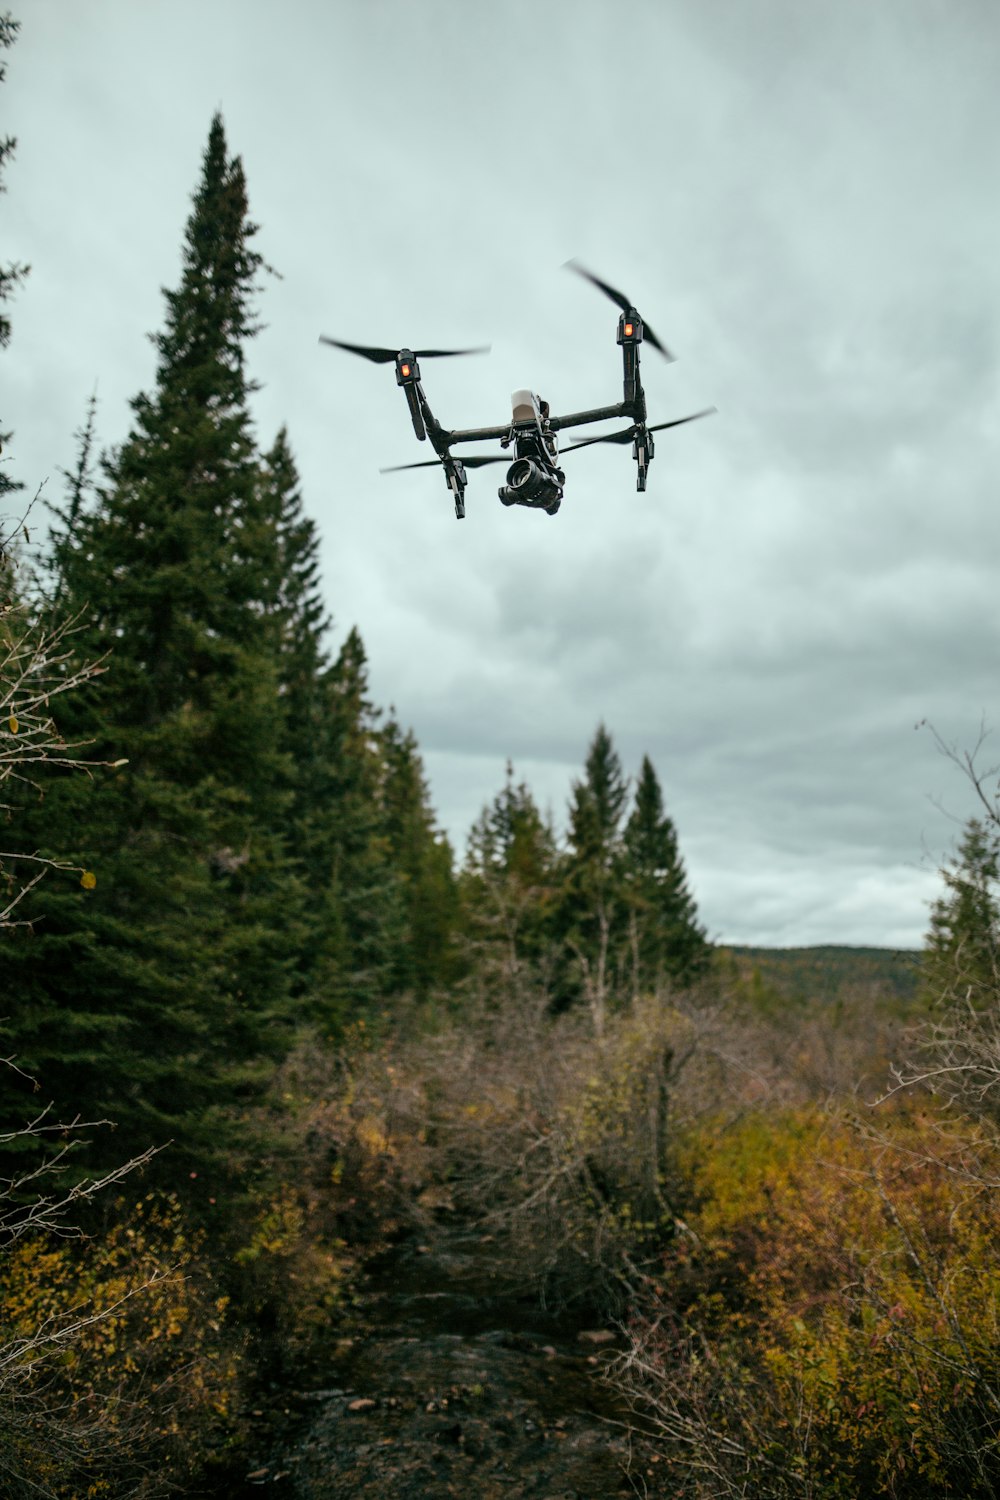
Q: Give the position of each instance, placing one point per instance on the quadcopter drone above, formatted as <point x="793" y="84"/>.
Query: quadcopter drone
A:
<point x="534" y="478"/>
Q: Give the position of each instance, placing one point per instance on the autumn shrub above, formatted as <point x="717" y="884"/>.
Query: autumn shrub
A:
<point x="828" y="1324"/>
<point x="336" y="1182"/>
<point x="555" y="1144"/>
<point x="118" y="1373"/>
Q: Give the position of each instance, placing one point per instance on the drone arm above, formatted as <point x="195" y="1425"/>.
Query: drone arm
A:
<point x="597" y="414"/>
<point x="476" y="434"/>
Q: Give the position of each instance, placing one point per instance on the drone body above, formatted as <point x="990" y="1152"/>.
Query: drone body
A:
<point x="534" y="478"/>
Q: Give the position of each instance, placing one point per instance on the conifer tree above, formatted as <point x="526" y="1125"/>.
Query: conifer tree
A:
<point x="665" y="938"/>
<point x="423" y="858"/>
<point x="962" y="948"/>
<point x="158" y="996"/>
<point x="362" y="859"/>
<point x="509" y="882"/>
<point x="592" y="911"/>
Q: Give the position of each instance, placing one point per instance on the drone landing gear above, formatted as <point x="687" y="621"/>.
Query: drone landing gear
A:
<point x="457" y="480"/>
<point x="642" y="452"/>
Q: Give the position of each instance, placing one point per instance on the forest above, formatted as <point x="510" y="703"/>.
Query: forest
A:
<point x="265" y="1031"/>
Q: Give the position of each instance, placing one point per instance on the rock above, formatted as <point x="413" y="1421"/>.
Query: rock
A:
<point x="363" y="1403"/>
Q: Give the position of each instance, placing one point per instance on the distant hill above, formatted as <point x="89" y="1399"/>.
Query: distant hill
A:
<point x="807" y="975"/>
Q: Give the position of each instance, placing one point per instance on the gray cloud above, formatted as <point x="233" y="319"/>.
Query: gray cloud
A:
<point x="802" y="203"/>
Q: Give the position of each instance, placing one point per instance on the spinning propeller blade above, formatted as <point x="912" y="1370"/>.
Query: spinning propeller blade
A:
<point x="386" y="356"/>
<point x="474" y="461"/>
<point x="629" y="433"/>
<point x="621" y="300"/>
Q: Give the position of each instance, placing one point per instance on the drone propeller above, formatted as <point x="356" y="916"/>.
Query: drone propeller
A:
<point x="622" y="301"/>
<point x="629" y="433"/>
<point x="386" y="356"/>
<point x="474" y="461"/>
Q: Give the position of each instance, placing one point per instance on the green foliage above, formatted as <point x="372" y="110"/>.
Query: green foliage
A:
<point x="626" y="919"/>
<point x="157" y="999"/>
<point x="777" y="980"/>
<point x="424" y="860"/>
<point x="665" y="937"/>
<point x="509" y="888"/>
<point x="590" y="916"/>
<point x="962" y="950"/>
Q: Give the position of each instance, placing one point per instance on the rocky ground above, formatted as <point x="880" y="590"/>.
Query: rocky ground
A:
<point x="444" y="1385"/>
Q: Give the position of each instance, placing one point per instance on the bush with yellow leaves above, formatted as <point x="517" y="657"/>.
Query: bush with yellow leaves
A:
<point x="829" y="1326"/>
<point x="117" y="1372"/>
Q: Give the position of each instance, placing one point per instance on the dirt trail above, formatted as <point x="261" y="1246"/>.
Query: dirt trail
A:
<point x="450" y="1386"/>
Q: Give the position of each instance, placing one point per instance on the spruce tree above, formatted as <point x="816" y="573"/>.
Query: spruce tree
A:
<point x="962" y="949"/>
<point x="157" y="998"/>
<point x="362" y="861"/>
<point x="510" y="883"/>
<point x="422" y="857"/>
<point x="592" y="911"/>
<point x="665" y="939"/>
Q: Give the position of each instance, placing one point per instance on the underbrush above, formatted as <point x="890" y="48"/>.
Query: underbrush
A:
<point x="554" y="1143"/>
<point x="118" y="1373"/>
<point x="828" y="1327"/>
<point x="140" y="1334"/>
<point x="811" y="1305"/>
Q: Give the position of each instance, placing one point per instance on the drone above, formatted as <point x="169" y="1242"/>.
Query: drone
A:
<point x="534" y="479"/>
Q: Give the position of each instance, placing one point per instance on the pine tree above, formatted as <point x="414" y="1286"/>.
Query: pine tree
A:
<point x="158" y="998"/>
<point x="665" y="938"/>
<point x="962" y="948"/>
<point x="510" y="883"/>
<point x="592" y="910"/>
<point x="423" y="859"/>
<point x="367" y="914"/>
<point x="11" y="275"/>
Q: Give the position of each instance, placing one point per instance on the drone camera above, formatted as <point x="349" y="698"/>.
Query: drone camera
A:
<point x="529" y="484"/>
<point x="525" y="475"/>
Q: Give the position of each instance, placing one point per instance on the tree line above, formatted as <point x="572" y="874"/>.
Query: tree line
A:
<point x="261" y="849"/>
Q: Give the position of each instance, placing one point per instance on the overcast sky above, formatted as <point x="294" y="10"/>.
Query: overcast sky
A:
<point x="802" y="200"/>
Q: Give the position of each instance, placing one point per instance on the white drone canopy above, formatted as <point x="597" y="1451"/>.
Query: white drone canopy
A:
<point x="525" y="406"/>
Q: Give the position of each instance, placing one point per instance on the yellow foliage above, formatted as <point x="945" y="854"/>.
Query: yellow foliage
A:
<point x="856" y="1282"/>
<point x="123" y="1332"/>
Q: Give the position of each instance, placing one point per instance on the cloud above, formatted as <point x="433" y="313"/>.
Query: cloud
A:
<point x="803" y="206"/>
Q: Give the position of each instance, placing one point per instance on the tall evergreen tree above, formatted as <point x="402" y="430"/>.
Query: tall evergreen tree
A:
<point x="962" y="948"/>
<point x="156" y="997"/>
<point x="354" y="945"/>
<point x="665" y="938"/>
<point x="423" y="857"/>
<point x="592" y="911"/>
<point x="365" y="919"/>
<point x="510" y="883"/>
<point x="11" y="274"/>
